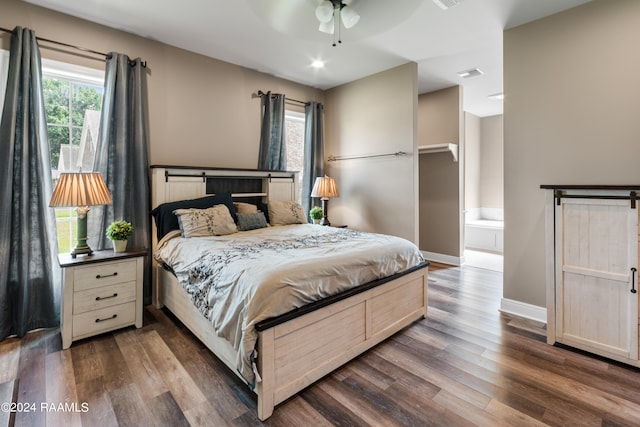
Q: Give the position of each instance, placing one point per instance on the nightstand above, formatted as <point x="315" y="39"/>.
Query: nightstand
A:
<point x="100" y="292"/>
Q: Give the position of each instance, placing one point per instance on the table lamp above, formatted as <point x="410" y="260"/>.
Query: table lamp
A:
<point x="80" y="190"/>
<point x="324" y="187"/>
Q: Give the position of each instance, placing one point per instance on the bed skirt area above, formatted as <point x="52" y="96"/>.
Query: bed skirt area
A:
<point x="298" y="348"/>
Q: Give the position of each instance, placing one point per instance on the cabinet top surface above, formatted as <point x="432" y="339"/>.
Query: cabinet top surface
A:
<point x="589" y="187"/>
<point x="66" y="260"/>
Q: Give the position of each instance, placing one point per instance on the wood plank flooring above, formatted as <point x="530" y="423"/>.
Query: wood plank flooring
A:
<point x="466" y="364"/>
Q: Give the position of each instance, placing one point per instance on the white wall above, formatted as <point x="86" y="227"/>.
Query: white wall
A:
<point x="370" y="116"/>
<point x="570" y="117"/>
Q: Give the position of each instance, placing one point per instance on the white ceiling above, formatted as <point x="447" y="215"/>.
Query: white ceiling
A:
<point x="280" y="37"/>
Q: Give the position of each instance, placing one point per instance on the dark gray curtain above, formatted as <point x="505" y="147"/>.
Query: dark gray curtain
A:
<point x="29" y="270"/>
<point x="273" y="154"/>
<point x="122" y="157"/>
<point x="313" y="152"/>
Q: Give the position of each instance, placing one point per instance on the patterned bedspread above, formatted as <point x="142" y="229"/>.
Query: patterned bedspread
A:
<point x="241" y="279"/>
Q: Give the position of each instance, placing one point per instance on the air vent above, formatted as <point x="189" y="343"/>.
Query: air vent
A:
<point x="446" y="4"/>
<point x="467" y="74"/>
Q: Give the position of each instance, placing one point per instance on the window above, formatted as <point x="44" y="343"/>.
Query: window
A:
<point x="294" y="139"/>
<point x="73" y="99"/>
<point x="4" y="70"/>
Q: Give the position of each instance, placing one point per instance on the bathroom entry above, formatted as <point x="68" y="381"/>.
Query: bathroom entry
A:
<point x="483" y="192"/>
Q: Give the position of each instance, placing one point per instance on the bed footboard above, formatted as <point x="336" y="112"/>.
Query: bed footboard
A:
<point x="295" y="354"/>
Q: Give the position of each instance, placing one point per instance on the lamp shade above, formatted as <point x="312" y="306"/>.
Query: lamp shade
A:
<point x="349" y="17"/>
<point x="324" y="11"/>
<point x="325" y="187"/>
<point x="80" y="189"/>
<point x="327" y="27"/>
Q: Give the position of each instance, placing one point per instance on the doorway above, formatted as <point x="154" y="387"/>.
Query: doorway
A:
<point x="483" y="192"/>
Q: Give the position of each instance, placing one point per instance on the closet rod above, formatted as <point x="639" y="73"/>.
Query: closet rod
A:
<point x="368" y="156"/>
<point x="260" y="94"/>
<point x="82" y="49"/>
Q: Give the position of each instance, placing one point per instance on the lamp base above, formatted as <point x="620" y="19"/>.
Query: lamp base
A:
<point x="325" y="220"/>
<point x="81" y="246"/>
<point x="81" y="250"/>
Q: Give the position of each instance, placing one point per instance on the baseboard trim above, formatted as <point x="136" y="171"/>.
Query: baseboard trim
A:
<point x="522" y="309"/>
<point x="443" y="259"/>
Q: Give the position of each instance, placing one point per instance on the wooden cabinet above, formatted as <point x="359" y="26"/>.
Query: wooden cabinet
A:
<point x="101" y="292"/>
<point x="592" y="262"/>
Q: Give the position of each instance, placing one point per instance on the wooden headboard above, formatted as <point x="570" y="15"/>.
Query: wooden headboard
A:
<point x="173" y="183"/>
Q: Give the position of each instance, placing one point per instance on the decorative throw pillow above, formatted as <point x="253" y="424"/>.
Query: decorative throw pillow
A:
<point x="283" y="213"/>
<point x="251" y="221"/>
<point x="166" y="221"/>
<point x="245" y="208"/>
<point x="214" y="221"/>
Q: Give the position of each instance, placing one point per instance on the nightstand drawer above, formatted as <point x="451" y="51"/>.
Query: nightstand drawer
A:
<point x="104" y="296"/>
<point x="104" y="319"/>
<point x="104" y="274"/>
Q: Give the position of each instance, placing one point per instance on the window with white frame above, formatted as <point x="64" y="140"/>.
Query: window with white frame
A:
<point x="294" y="122"/>
<point x="4" y="69"/>
<point x="73" y="100"/>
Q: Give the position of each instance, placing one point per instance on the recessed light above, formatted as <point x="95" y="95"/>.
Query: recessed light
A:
<point x="472" y="72"/>
<point x="317" y="63"/>
<point x="497" y="96"/>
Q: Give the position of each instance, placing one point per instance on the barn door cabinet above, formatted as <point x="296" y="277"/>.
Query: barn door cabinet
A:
<point x="592" y="269"/>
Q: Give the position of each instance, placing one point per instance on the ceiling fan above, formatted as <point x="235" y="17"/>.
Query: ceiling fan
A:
<point x="329" y="11"/>
<point x="300" y="18"/>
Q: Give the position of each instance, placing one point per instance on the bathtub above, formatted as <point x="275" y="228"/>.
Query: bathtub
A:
<point x="484" y="234"/>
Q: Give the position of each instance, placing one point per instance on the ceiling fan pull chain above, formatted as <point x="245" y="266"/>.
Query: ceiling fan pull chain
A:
<point x="339" y="11"/>
<point x="334" y="26"/>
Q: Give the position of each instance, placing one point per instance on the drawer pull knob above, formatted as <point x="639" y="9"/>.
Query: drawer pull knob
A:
<point x="633" y="280"/>
<point x="108" y="318"/>
<point x="100" y="276"/>
<point x="102" y="298"/>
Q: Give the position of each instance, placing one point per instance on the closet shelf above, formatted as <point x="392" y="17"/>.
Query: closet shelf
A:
<point x="439" y="148"/>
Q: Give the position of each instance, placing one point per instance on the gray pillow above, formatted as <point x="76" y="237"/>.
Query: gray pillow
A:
<point x="251" y="221"/>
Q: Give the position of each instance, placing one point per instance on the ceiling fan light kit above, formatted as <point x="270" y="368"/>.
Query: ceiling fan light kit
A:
<point x="331" y="12"/>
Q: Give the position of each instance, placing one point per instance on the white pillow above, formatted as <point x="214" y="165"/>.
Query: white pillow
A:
<point x="213" y="221"/>
<point x="283" y="213"/>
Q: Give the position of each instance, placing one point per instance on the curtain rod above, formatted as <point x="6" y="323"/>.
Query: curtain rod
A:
<point x="82" y="49"/>
<point x="367" y="156"/>
<point x="261" y="94"/>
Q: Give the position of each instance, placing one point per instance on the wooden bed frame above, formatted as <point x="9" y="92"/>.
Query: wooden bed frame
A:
<point x="300" y="347"/>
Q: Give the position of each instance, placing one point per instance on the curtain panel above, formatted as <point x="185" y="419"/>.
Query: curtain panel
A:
<point x="313" y="152"/>
<point x="273" y="154"/>
<point x="30" y="275"/>
<point x="122" y="157"/>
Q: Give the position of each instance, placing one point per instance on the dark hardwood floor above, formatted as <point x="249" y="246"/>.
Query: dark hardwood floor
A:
<point x="466" y="364"/>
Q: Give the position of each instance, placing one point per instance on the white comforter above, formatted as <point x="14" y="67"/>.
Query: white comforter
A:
<point x="241" y="279"/>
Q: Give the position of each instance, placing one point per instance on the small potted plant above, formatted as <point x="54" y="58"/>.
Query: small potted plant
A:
<point x="316" y="214"/>
<point x="119" y="232"/>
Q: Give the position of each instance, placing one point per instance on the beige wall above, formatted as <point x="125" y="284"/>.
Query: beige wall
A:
<point x="201" y="112"/>
<point x="472" y="153"/>
<point x="571" y="117"/>
<point x="371" y="116"/>
<point x="441" y="120"/>
<point x="491" y="162"/>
